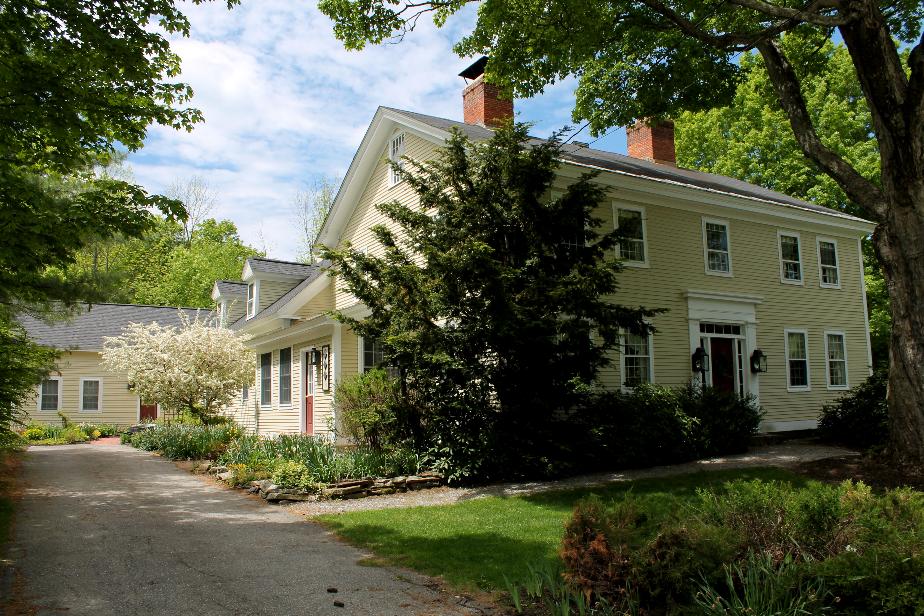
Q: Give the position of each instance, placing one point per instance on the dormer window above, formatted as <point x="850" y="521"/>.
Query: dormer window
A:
<point x="253" y="291"/>
<point x="395" y="152"/>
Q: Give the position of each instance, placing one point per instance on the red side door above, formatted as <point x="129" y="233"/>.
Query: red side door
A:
<point x="148" y="412"/>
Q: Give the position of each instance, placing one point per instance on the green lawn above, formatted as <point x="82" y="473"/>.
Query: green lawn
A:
<point x="474" y="544"/>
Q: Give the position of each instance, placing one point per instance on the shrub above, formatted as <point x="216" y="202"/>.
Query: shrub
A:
<point x="861" y="418"/>
<point x="367" y="408"/>
<point x="185" y="442"/>
<point x="241" y="475"/>
<point x="292" y="474"/>
<point x="34" y="433"/>
<point x="726" y="421"/>
<point x="73" y="434"/>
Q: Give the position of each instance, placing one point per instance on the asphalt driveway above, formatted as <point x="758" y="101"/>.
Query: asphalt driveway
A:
<point x="112" y="530"/>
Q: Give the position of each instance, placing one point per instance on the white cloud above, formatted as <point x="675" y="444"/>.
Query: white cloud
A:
<point x="285" y="103"/>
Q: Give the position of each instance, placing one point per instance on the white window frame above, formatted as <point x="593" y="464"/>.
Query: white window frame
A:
<point x="622" y="360"/>
<point x="808" y="365"/>
<point x="846" y="385"/>
<point x="779" y="245"/>
<point x="396" y="148"/>
<point x="362" y="356"/>
<point x="724" y="223"/>
<point x="837" y="266"/>
<point x="269" y="404"/>
<point x="253" y="299"/>
<point x="60" y="382"/>
<point x="99" y="401"/>
<point x="279" y="388"/>
<point x="641" y="210"/>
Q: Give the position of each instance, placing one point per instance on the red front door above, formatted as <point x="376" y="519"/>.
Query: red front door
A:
<point x="723" y="363"/>
<point x="148" y="412"/>
<point x="309" y="400"/>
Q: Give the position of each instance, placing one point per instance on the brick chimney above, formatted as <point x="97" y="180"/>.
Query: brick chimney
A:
<point x="654" y="143"/>
<point x="482" y="102"/>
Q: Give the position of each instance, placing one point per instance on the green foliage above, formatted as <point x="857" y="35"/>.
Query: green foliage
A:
<point x="67" y="433"/>
<point x="185" y="442"/>
<point x="367" y="407"/>
<point x="860" y="418"/>
<point x="488" y="296"/>
<point x="291" y="474"/>
<point x="23" y="367"/>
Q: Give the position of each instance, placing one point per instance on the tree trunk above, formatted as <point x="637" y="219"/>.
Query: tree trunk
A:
<point x="899" y="243"/>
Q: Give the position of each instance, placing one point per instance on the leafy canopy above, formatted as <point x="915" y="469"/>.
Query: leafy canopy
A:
<point x="493" y="296"/>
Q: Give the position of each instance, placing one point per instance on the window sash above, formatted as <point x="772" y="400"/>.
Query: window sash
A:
<point x="827" y="258"/>
<point x="791" y="257"/>
<point x="285" y="376"/>
<point x="49" y="399"/>
<point x="89" y="396"/>
<point x="631" y="246"/>
<point x="251" y="299"/>
<point x="395" y="152"/>
<point x="266" y="379"/>
<point x="797" y="360"/>
<point x="373" y="354"/>
<point x="837" y="360"/>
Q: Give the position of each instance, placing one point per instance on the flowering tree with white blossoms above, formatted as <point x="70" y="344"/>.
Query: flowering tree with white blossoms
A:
<point x="196" y="367"/>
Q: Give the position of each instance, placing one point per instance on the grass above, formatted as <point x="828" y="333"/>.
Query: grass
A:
<point x="475" y="544"/>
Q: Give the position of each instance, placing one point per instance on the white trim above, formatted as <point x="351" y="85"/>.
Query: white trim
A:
<point x="622" y="359"/>
<point x="846" y="385"/>
<point x="60" y="381"/>
<point x="869" y="337"/>
<point x="837" y="258"/>
<point x="256" y="300"/>
<point x="618" y="205"/>
<point x="788" y="426"/>
<point x="99" y="398"/>
<point x="808" y="366"/>
<point x="284" y="405"/>
<point x="717" y="221"/>
<point x="779" y="245"/>
<point x="336" y="346"/>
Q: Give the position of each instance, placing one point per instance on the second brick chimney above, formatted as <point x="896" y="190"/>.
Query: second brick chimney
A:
<point x="654" y="143"/>
<point x="482" y="102"/>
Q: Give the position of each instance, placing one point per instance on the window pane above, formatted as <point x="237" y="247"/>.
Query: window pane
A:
<point x="837" y="371"/>
<point x="373" y="354"/>
<point x="636" y="359"/>
<point x="789" y="246"/>
<point x="836" y="347"/>
<point x="90" y="396"/>
<point x="798" y="373"/>
<point x="630" y="224"/>
<point x="718" y="261"/>
<point x="792" y="271"/>
<point x="49" y="396"/>
<point x="266" y="378"/>
<point x="828" y="254"/>
<point x="829" y="275"/>
<point x="285" y="376"/>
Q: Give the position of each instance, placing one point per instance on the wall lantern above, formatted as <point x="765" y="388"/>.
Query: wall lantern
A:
<point x="758" y="361"/>
<point x="314" y="357"/>
<point x="700" y="360"/>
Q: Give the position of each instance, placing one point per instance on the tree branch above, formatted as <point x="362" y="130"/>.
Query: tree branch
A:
<point x="859" y="189"/>
<point x="809" y="14"/>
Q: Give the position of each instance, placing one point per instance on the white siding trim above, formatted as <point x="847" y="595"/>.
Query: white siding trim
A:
<point x="787" y="426"/>
<point x="83" y="380"/>
<point x="808" y="363"/>
<point x="846" y="385"/>
<point x="780" y="234"/>
<point x="837" y="256"/>
<point x="717" y="221"/>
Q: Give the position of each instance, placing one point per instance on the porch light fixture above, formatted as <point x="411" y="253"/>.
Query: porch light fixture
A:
<point x="700" y="360"/>
<point x="314" y="357"/>
<point x="758" y="361"/>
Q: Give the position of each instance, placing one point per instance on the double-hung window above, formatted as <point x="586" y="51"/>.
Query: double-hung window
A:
<point x="716" y="247"/>
<point x="636" y="359"/>
<point x="836" y="358"/>
<point x="790" y="258"/>
<point x="285" y="376"/>
<point x="91" y="393"/>
<point x="251" y="299"/>
<point x="373" y="354"/>
<point x="829" y="274"/>
<point x="266" y="379"/>
<point x="797" y="362"/>
<point x="395" y="152"/>
<point x="631" y="226"/>
<point x="50" y="394"/>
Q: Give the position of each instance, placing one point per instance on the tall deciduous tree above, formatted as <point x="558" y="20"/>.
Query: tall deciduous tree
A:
<point x="657" y="58"/>
<point x="495" y="299"/>
<point x="197" y="197"/>
<point x="197" y="367"/>
<point x="311" y="207"/>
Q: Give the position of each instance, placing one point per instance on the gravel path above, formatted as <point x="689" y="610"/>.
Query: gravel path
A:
<point x="783" y="454"/>
<point x="104" y="530"/>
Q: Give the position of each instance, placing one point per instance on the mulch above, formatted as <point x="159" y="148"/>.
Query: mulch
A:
<point x="869" y="469"/>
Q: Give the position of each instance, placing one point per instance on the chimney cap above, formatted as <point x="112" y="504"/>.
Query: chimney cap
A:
<point x="476" y="70"/>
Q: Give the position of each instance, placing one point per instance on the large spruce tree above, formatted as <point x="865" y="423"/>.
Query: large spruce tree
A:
<point x="495" y="298"/>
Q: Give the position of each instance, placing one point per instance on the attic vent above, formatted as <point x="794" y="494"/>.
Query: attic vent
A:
<point x="395" y="152"/>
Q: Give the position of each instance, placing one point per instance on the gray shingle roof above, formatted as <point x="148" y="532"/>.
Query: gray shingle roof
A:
<point x="626" y="164"/>
<point x="230" y="287"/>
<point x="94" y="322"/>
<point x="282" y="268"/>
<point x="317" y="270"/>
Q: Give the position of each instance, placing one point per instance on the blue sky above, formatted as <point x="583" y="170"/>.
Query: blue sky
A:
<point x="285" y="105"/>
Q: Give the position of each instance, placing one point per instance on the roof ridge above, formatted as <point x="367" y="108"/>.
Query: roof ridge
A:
<point x="280" y="261"/>
<point x="91" y="304"/>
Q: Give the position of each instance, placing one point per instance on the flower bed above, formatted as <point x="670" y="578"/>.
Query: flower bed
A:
<point x="36" y="433"/>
